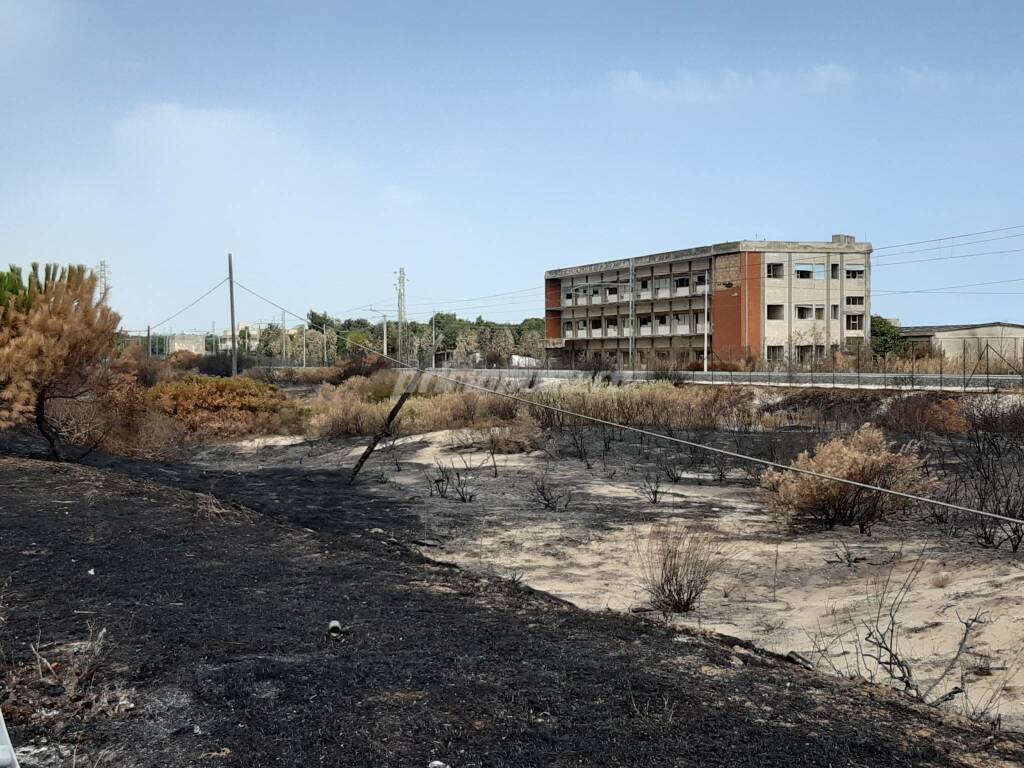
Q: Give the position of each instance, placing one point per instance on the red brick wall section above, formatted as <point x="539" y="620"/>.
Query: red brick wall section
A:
<point x="736" y="309"/>
<point x="553" y="308"/>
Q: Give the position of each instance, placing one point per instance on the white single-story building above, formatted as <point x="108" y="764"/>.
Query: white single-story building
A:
<point x="1006" y="339"/>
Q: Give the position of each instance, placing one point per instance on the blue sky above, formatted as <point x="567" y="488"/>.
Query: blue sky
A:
<point x="478" y="144"/>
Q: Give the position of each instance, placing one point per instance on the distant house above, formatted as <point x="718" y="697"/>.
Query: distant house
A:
<point x="1006" y="339"/>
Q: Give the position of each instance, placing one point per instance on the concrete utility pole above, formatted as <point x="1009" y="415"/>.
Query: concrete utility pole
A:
<point x="149" y="342"/>
<point x="707" y="320"/>
<point x="433" y="338"/>
<point x="401" y="312"/>
<point x="304" y="328"/>
<point x="234" y="340"/>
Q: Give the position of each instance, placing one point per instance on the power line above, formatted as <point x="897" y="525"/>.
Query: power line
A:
<point x="948" y="245"/>
<point x="953" y="287"/>
<point x="192" y="304"/>
<point x="948" y="258"/>
<point x="950" y="237"/>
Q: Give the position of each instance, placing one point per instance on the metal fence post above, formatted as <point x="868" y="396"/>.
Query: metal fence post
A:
<point x="942" y="357"/>
<point x="988" y="383"/>
<point x="964" y="358"/>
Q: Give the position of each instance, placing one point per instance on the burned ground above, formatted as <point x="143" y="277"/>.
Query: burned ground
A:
<point x="219" y="627"/>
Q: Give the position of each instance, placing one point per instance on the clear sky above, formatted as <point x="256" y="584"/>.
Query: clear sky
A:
<point x="478" y="144"/>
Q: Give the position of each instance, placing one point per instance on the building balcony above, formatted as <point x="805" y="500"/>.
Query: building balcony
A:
<point x="596" y="333"/>
<point x="644" y="295"/>
<point x="570" y="334"/>
<point x="597" y="299"/>
<point x="662" y="293"/>
<point x="645" y="330"/>
<point x="681" y="292"/>
<point x="699" y="290"/>
<point x="626" y="332"/>
<point x="611" y="332"/>
<point x="664" y="330"/>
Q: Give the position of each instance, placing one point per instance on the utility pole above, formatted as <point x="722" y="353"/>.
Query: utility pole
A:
<point x="707" y="320"/>
<point x="632" y="314"/>
<point x="234" y="340"/>
<point x="103" y="277"/>
<point x="304" y="328"/>
<point x="433" y="338"/>
<point x="284" y="340"/>
<point x="149" y="342"/>
<point x="401" y="312"/>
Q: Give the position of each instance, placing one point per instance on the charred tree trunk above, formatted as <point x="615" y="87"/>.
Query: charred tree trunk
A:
<point x="52" y="438"/>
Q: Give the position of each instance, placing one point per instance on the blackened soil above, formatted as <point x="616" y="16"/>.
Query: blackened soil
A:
<point x="220" y="619"/>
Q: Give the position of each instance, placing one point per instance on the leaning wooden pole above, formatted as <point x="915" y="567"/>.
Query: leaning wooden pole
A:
<point x="386" y="429"/>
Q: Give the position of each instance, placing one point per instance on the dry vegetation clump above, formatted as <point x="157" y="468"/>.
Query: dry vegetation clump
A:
<point x="654" y="404"/>
<point x="63" y="682"/>
<point x="213" y="407"/>
<point x="920" y="413"/>
<point x="806" y="502"/>
<point x="677" y="564"/>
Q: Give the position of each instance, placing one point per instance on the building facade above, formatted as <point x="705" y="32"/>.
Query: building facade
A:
<point x="767" y="301"/>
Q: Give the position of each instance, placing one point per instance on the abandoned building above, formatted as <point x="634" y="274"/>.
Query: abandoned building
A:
<point x="768" y="301"/>
<point x="1002" y="340"/>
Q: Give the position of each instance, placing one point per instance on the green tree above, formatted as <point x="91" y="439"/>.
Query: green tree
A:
<point x="886" y="338"/>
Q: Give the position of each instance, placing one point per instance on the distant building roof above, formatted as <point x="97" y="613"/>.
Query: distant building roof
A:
<point x="931" y="330"/>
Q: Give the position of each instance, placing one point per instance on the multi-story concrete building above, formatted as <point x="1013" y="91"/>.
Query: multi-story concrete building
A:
<point x="768" y="301"/>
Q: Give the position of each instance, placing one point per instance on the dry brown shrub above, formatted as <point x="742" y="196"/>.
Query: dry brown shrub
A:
<point x="521" y="435"/>
<point x="924" y="412"/>
<point x="133" y="426"/>
<point x="210" y="407"/>
<point x="806" y="502"/>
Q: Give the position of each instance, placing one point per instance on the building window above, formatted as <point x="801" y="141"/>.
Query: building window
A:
<point x="855" y="322"/>
<point x="568" y="328"/>
<point x="819" y="311"/>
<point x="662" y="320"/>
<point x="819" y="271"/>
<point x="645" y="285"/>
<point x="835" y="311"/>
<point x="596" y="324"/>
<point x="613" y="292"/>
<point x="682" y="322"/>
<point x="804" y="312"/>
<point x="835" y="271"/>
<point x="613" y="322"/>
<point x="682" y="282"/>
<point x="661" y="283"/>
<point x="854" y="271"/>
<point x="776" y="312"/>
<point x="775" y="271"/>
<point x="581" y="325"/>
<point x="595" y="290"/>
<point x="568" y="295"/>
<point x="775" y="354"/>
<point x="702" y="279"/>
<point x="804" y="271"/>
<point x="645" y="320"/>
<point x="855" y="301"/>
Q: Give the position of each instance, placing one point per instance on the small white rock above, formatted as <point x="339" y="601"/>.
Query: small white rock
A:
<point x="438" y="764"/>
